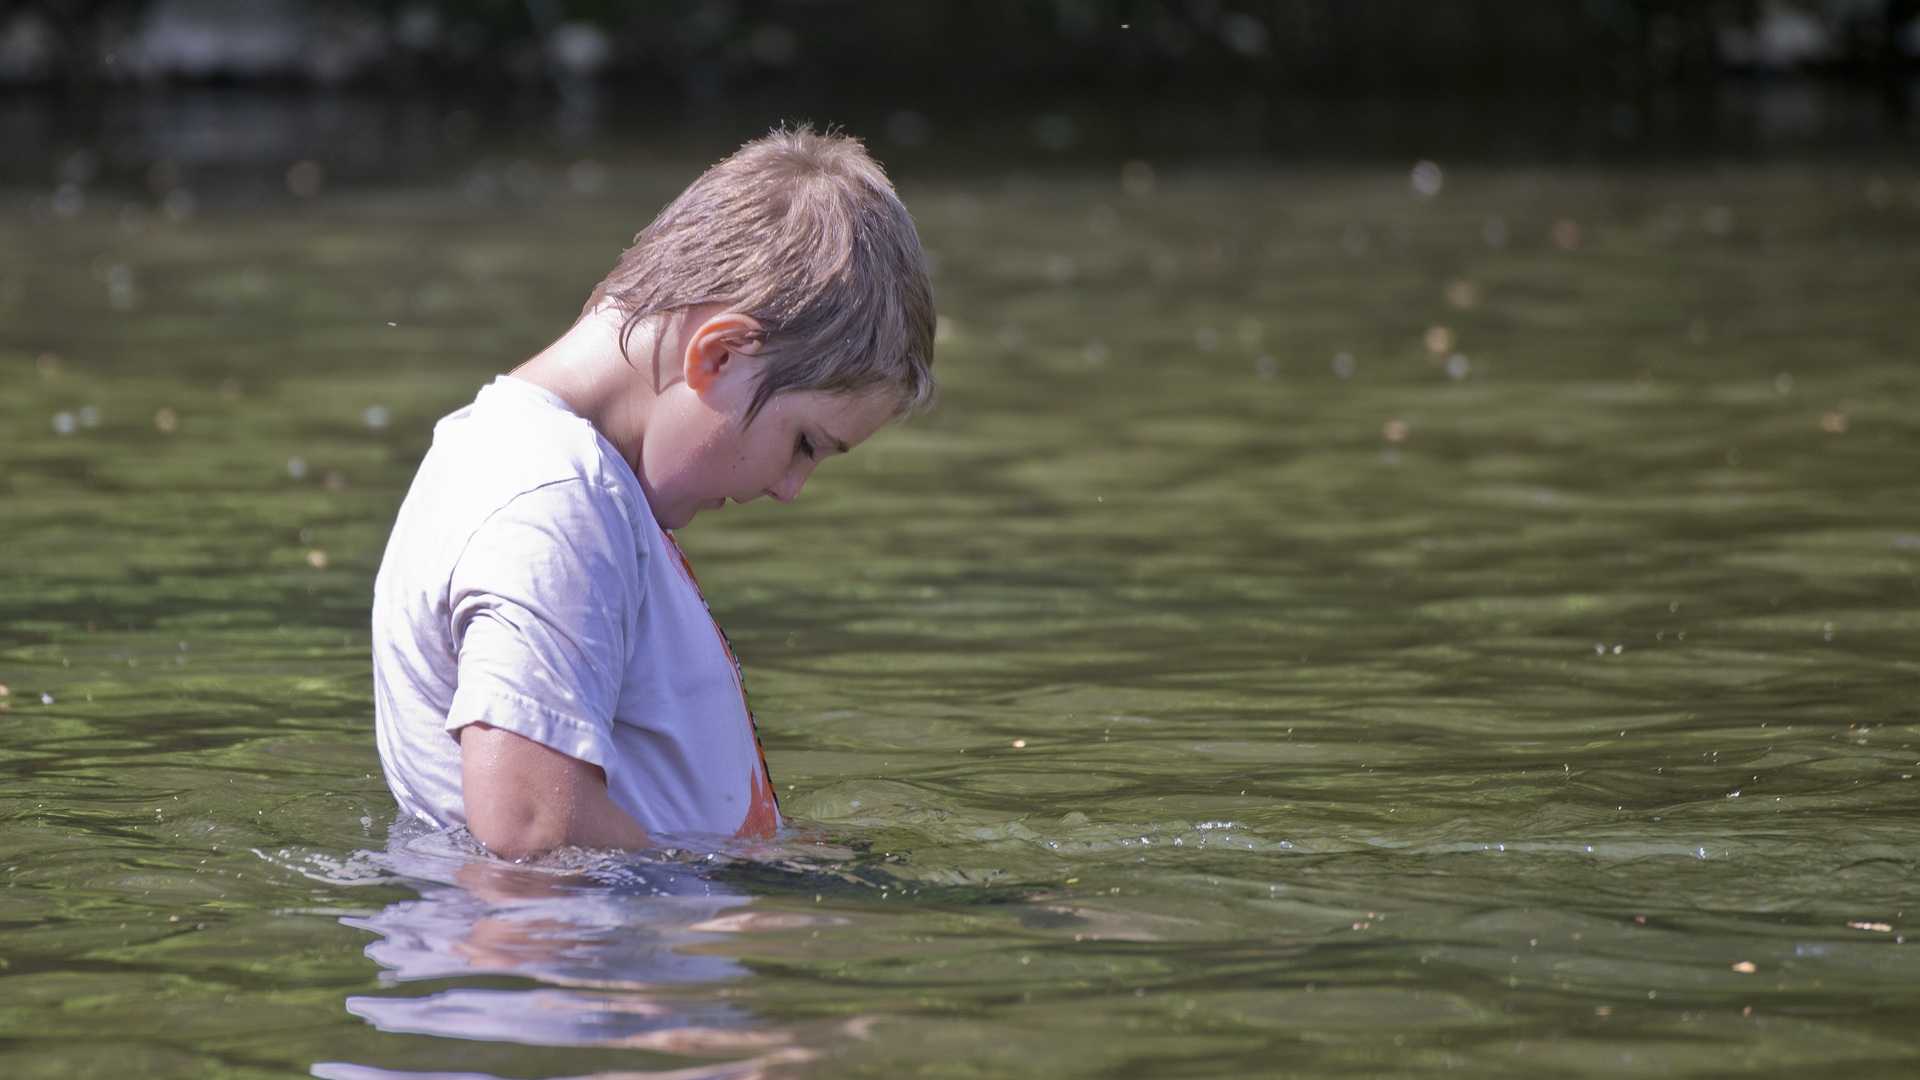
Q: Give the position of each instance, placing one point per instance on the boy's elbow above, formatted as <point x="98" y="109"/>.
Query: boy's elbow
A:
<point x="516" y="832"/>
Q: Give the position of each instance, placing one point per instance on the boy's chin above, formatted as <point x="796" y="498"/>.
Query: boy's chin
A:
<point x="681" y="517"/>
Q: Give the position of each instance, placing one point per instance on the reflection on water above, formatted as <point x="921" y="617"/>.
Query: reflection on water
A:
<point x="599" y="957"/>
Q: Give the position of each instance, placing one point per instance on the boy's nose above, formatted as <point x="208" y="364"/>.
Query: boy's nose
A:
<point x="787" y="488"/>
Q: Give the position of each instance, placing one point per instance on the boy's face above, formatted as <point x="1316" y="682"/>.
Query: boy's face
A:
<point x="699" y="450"/>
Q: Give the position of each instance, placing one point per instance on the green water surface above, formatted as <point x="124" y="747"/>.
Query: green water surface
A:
<point x="1322" y="632"/>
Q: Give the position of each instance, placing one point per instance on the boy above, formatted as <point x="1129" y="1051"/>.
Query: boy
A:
<point x="546" y="672"/>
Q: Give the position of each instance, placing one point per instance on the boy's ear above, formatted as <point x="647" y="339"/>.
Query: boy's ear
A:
<point x="716" y="346"/>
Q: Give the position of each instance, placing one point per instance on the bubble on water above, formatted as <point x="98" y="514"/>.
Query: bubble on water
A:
<point x="1395" y="431"/>
<point x="1718" y="220"/>
<point x="1833" y="423"/>
<point x="68" y="200"/>
<point x="1060" y="269"/>
<point x="480" y="188"/>
<point x="317" y="559"/>
<point x="524" y="179"/>
<point x="1343" y="365"/>
<point x="46" y="698"/>
<point x="586" y="177"/>
<point x="1458" y="367"/>
<point x="1137" y="179"/>
<point x="166" y="421"/>
<point x="1427" y="179"/>
<point x="1010" y="336"/>
<point x="335" y="480"/>
<point x="305" y="178"/>
<point x="1566" y="234"/>
<point x="179" y="205"/>
<point x="1054" y="131"/>
<point x="1493" y="232"/>
<point x="908" y="128"/>
<point x="1783" y="382"/>
<point x="1355" y="239"/>
<point x="1244" y="34"/>
<point x="64" y="423"/>
<point x="1266" y="366"/>
<point x="1462" y="294"/>
<point x="1102" y="221"/>
<point x="1206" y="339"/>
<point x="1094" y="352"/>
<point x="120" y="291"/>
<point x="297" y="468"/>
<point x="89" y="416"/>
<point x="376" y="416"/>
<point x="944" y="329"/>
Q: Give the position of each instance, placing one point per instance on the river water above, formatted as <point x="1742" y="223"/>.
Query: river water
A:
<point x="1323" y="631"/>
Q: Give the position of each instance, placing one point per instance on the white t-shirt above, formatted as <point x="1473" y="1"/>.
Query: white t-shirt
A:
<point x="527" y="585"/>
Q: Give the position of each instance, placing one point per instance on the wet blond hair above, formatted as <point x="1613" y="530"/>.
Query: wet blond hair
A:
<point x="803" y="232"/>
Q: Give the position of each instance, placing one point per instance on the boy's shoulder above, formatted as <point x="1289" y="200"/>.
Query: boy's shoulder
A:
<point x="516" y="437"/>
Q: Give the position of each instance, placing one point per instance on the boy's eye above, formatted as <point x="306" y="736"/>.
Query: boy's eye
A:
<point x="804" y="445"/>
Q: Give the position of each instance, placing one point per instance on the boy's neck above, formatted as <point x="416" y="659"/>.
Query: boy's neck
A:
<point x="587" y="369"/>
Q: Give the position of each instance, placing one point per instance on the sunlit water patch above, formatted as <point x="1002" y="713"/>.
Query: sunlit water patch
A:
<point x="1324" y="630"/>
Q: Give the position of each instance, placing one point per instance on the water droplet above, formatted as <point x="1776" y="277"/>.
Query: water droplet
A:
<point x="64" y="423"/>
<point x="1427" y="179"/>
<point x="305" y="178"/>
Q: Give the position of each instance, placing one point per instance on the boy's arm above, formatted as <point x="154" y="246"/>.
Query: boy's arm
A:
<point x="524" y="798"/>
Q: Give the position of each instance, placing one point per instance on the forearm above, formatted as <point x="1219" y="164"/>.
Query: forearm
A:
<point x="523" y="798"/>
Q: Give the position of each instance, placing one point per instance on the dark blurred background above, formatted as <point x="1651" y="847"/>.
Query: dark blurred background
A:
<point x="102" y="91"/>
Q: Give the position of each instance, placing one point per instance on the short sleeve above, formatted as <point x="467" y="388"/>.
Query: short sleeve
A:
<point x="543" y="602"/>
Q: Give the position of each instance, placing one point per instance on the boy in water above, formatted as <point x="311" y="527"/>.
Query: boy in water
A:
<point x="546" y="672"/>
